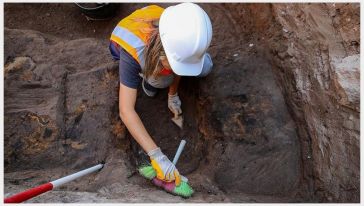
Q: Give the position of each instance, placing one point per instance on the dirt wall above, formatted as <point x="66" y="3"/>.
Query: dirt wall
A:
<point x="315" y="53"/>
<point x="322" y="59"/>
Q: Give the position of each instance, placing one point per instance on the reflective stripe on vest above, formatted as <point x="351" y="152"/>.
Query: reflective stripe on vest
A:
<point x="130" y="42"/>
<point x="131" y="33"/>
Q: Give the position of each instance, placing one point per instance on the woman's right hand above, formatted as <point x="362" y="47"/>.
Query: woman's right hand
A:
<point x="164" y="168"/>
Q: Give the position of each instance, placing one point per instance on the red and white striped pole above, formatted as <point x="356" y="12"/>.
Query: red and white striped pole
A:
<point x="21" y="197"/>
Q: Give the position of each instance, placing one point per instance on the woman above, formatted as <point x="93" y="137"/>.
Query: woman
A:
<point x="156" y="46"/>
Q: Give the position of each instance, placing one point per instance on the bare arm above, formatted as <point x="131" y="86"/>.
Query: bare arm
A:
<point x="127" y="99"/>
<point x="173" y="88"/>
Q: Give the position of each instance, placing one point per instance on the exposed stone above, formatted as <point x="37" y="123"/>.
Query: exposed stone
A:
<point x="348" y="80"/>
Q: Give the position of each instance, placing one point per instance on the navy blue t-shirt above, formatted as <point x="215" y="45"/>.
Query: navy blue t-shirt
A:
<point x="129" y="68"/>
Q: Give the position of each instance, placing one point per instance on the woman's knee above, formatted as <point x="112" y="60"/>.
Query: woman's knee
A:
<point x="207" y="65"/>
<point x="160" y="82"/>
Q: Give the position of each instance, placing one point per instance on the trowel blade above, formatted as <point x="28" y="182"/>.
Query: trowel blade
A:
<point x="178" y="121"/>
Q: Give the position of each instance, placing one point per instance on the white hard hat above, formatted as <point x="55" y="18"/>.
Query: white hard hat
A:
<point x="186" y="32"/>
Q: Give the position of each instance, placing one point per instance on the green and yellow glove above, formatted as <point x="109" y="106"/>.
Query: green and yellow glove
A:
<point x="164" y="168"/>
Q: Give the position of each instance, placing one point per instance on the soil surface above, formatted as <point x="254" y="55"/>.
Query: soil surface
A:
<point x="244" y="144"/>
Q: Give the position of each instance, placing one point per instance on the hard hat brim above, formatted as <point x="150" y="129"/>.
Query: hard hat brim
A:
<point x="185" y="69"/>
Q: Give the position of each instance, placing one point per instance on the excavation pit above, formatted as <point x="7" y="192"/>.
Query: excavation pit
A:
<point x="258" y="128"/>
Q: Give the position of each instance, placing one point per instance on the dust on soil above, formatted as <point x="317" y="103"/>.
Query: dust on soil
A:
<point x="235" y="121"/>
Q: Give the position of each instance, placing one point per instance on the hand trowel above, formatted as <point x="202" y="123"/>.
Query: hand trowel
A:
<point x="178" y="120"/>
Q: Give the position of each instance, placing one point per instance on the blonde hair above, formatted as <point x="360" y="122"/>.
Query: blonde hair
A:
<point x="152" y="52"/>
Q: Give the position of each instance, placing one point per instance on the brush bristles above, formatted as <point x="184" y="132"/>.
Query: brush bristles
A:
<point x="147" y="172"/>
<point x="183" y="190"/>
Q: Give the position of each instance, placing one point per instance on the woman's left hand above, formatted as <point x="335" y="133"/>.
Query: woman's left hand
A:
<point x="174" y="104"/>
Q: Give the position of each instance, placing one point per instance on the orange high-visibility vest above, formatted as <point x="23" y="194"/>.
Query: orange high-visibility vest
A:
<point x="133" y="31"/>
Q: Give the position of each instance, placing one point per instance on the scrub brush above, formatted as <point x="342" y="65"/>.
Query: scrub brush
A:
<point x="183" y="190"/>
